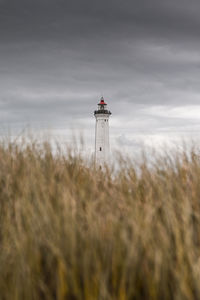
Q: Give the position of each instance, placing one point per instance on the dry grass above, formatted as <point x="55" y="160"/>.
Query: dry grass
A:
<point x="68" y="231"/>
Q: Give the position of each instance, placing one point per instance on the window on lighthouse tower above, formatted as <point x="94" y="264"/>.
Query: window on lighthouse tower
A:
<point x="100" y="148"/>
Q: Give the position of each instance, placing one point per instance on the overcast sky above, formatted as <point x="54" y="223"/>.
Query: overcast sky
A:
<point x="58" y="57"/>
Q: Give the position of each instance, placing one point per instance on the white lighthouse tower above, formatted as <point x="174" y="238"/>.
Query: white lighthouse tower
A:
<point x="102" y="133"/>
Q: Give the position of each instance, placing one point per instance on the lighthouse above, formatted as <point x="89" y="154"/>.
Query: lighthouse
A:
<point x="102" y="115"/>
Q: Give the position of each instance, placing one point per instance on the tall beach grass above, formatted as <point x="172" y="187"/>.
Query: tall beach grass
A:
<point x="71" y="231"/>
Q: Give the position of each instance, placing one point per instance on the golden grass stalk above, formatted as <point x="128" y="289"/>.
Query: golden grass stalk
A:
<point x="69" y="231"/>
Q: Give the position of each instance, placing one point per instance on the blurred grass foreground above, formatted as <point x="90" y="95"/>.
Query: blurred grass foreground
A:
<point x="70" y="231"/>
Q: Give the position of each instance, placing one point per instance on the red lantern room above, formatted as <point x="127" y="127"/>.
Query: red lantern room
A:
<point x="102" y="108"/>
<point x="101" y="104"/>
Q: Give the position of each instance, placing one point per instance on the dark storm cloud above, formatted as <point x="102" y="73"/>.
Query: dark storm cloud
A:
<point x="70" y="18"/>
<point x="58" y="56"/>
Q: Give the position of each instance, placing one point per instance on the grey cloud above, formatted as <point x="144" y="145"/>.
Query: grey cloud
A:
<point x="71" y="19"/>
<point x="58" y="56"/>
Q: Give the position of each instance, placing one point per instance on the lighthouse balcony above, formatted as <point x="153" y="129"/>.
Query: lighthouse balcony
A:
<point x="102" y="111"/>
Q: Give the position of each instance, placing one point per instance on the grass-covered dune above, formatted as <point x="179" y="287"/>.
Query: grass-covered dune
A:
<point x="70" y="231"/>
